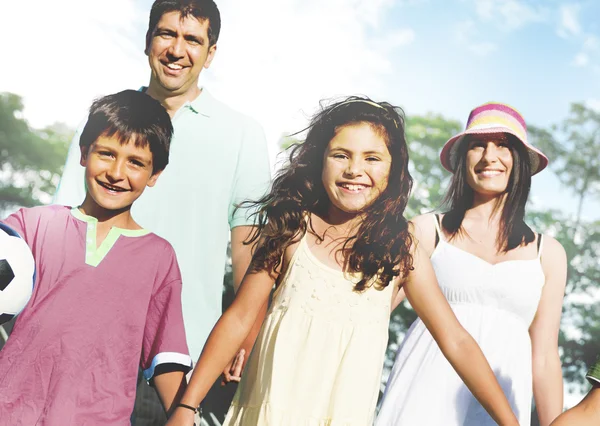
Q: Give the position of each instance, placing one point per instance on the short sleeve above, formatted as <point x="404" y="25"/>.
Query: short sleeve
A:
<point x="164" y="333"/>
<point x="593" y="374"/>
<point x="252" y="174"/>
<point x="71" y="187"/>
<point x="16" y="222"/>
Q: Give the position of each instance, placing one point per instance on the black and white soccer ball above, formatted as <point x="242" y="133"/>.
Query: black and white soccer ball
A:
<point x="17" y="273"/>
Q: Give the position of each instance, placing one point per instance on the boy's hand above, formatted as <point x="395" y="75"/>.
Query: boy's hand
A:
<point x="233" y="370"/>
<point x="181" y="417"/>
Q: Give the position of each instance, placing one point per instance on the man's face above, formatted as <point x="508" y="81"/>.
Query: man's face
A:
<point x="177" y="51"/>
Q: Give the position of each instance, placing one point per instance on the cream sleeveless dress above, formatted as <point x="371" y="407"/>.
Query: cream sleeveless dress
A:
<point x="319" y="355"/>
<point x="496" y="304"/>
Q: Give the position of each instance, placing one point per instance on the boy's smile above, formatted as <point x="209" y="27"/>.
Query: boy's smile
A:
<point x="115" y="175"/>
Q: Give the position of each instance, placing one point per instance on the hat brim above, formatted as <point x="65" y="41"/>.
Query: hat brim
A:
<point x="448" y="155"/>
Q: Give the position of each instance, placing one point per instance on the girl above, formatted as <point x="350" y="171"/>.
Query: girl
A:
<point x="504" y="282"/>
<point x="332" y="237"/>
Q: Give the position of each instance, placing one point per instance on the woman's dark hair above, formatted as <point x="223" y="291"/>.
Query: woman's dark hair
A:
<point x="381" y="247"/>
<point x="131" y="115"/>
<point x="459" y="198"/>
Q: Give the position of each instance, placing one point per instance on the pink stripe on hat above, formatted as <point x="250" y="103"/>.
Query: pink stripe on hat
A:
<point x="493" y="118"/>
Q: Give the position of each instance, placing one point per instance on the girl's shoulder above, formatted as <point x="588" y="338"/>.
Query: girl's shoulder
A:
<point x="423" y="229"/>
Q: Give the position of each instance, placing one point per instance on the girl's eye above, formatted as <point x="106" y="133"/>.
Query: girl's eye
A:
<point x="372" y="159"/>
<point x="340" y="156"/>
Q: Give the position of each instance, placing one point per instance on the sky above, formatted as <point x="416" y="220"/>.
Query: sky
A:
<point x="277" y="58"/>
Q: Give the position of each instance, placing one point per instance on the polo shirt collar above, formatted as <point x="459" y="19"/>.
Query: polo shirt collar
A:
<point x="203" y="104"/>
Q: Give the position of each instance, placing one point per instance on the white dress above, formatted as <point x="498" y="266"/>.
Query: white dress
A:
<point x="496" y="304"/>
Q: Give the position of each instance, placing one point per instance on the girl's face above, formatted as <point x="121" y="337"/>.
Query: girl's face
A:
<point x="356" y="167"/>
<point x="489" y="163"/>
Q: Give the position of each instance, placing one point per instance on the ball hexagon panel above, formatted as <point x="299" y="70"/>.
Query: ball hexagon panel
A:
<point x="6" y="274"/>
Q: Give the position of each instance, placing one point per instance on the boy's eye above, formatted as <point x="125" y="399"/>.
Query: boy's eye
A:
<point x="137" y="163"/>
<point x="105" y="153"/>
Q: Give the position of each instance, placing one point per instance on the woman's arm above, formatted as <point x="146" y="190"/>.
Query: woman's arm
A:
<point x="547" y="372"/>
<point x="224" y="341"/>
<point x="455" y="342"/>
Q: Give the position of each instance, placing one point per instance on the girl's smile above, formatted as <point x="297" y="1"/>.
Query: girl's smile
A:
<point x="356" y="167"/>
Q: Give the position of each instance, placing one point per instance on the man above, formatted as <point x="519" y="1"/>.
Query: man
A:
<point x="587" y="412"/>
<point x="218" y="159"/>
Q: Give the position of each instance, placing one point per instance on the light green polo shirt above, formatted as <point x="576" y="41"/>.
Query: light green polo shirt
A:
<point x="218" y="158"/>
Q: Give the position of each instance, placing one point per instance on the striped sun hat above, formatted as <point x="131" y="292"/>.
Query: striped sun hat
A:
<point x="490" y="118"/>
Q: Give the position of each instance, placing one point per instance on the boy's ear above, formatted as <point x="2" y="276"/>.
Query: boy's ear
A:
<point x="153" y="179"/>
<point x="84" y="154"/>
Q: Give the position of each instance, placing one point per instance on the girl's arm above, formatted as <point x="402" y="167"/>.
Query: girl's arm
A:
<point x="224" y="341"/>
<point x="423" y="229"/>
<point x="547" y="372"/>
<point x="457" y="345"/>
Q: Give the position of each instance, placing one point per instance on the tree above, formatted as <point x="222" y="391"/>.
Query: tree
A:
<point x="30" y="160"/>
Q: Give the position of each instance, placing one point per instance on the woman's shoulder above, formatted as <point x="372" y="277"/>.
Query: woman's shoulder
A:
<point x="552" y="251"/>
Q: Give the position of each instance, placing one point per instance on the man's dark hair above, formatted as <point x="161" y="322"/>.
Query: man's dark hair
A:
<point x="131" y="115"/>
<point x="199" y="9"/>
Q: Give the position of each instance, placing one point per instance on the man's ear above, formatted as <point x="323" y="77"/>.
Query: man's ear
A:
<point x="148" y="42"/>
<point x="211" y="55"/>
<point x="153" y="179"/>
<point x="84" y="155"/>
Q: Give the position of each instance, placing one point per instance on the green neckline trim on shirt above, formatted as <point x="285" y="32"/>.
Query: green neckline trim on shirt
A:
<point x="94" y="254"/>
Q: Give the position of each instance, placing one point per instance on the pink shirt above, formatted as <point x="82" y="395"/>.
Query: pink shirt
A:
<point x="95" y="315"/>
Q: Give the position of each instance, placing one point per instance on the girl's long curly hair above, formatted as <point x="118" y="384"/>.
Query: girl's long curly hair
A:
<point x="380" y="249"/>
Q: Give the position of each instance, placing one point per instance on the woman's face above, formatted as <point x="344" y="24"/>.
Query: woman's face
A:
<point x="489" y="163"/>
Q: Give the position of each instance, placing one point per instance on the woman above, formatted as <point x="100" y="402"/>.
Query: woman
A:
<point x="504" y="282"/>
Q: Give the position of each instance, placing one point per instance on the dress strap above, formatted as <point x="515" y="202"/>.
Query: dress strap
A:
<point x="438" y="232"/>
<point x="540" y="244"/>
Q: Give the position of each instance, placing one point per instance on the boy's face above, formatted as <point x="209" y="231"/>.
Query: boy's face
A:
<point x="116" y="175"/>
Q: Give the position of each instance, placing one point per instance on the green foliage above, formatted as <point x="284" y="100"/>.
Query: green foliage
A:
<point x="30" y="160"/>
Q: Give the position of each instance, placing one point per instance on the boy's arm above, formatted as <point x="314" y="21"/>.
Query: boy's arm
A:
<point x="165" y="357"/>
<point x="170" y="388"/>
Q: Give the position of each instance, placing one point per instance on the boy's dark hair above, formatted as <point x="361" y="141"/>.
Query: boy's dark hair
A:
<point x="199" y="9"/>
<point x="131" y="115"/>
<point x="381" y="247"/>
<point x="459" y="198"/>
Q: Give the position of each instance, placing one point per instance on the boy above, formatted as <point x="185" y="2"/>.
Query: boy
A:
<point x="107" y="292"/>
<point x="587" y="412"/>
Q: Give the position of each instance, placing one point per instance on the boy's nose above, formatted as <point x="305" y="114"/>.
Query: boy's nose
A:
<point x="116" y="171"/>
